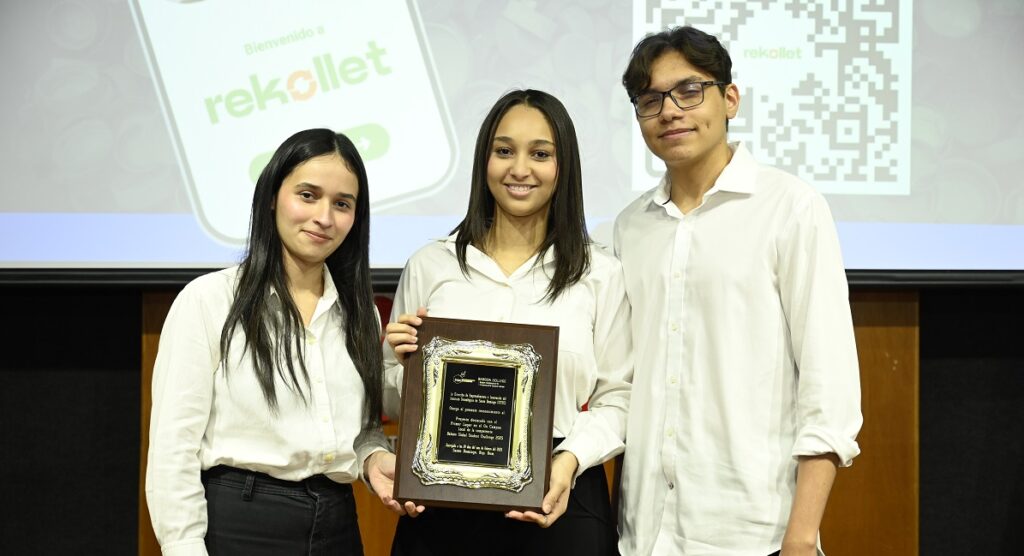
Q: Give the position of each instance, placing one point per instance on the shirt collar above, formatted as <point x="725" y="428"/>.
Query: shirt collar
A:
<point x="330" y="290"/>
<point x="738" y="176"/>
<point x="330" y="295"/>
<point x="483" y="263"/>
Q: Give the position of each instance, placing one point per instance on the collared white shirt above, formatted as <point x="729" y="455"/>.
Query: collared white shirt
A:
<point x="594" y="345"/>
<point x="745" y="360"/>
<point x="206" y="415"/>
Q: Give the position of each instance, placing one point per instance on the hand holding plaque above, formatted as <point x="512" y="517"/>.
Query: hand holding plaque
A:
<point x="477" y="407"/>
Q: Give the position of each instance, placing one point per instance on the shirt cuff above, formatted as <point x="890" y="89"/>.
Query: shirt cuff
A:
<point x="586" y="458"/>
<point x="371" y="442"/>
<point x="590" y="441"/>
<point x="817" y="441"/>
<point x="186" y="547"/>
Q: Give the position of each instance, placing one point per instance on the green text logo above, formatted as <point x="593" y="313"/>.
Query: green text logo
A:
<point x="780" y="53"/>
<point x="298" y="86"/>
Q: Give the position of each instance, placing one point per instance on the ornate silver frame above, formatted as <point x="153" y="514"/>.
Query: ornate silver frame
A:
<point x="526" y="362"/>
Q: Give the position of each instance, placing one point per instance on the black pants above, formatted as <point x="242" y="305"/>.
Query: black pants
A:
<point x="586" y="527"/>
<point x="255" y="514"/>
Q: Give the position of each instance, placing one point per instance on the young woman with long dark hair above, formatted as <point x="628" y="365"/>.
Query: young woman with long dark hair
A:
<point x="522" y="254"/>
<point x="267" y="385"/>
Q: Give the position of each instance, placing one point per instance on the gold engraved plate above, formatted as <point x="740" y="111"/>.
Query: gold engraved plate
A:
<point x="476" y="424"/>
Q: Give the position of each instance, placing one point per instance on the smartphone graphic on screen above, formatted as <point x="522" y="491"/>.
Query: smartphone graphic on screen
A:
<point x="236" y="77"/>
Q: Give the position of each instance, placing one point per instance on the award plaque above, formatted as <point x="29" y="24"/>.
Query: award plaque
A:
<point x="477" y="405"/>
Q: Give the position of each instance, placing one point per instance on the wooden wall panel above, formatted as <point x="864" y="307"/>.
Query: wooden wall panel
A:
<point x="874" y="504"/>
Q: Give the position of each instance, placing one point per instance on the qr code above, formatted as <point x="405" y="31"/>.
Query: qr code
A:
<point x="824" y="85"/>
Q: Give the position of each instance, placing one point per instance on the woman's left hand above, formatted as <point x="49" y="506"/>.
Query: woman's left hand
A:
<point x="563" y="469"/>
<point x="380" y="473"/>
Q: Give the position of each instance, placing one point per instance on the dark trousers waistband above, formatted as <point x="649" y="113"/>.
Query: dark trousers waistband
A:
<point x="255" y="514"/>
<point x="250" y="481"/>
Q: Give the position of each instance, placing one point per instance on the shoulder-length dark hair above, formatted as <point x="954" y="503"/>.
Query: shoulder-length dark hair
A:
<point x="273" y="338"/>
<point x="567" y="225"/>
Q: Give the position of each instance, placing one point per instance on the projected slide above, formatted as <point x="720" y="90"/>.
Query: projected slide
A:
<point x="825" y="87"/>
<point x="237" y="77"/>
<point x="133" y="130"/>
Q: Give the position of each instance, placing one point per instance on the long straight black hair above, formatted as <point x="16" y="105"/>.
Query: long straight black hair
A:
<point x="274" y="339"/>
<point x="567" y="225"/>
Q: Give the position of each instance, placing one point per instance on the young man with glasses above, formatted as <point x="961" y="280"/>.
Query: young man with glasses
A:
<point x="746" y="395"/>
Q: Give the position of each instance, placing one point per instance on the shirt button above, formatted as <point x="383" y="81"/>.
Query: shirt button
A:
<point x="677" y="275"/>
<point x="669" y="433"/>
<point x="325" y="419"/>
<point x="672" y="380"/>
<point x="329" y="458"/>
<point x="674" y="327"/>
<point x="671" y="486"/>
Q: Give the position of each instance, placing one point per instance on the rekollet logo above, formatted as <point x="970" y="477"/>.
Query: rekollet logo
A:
<point x="299" y="85"/>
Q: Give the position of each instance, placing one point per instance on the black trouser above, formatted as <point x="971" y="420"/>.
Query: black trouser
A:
<point x="254" y="514"/>
<point x="587" y="527"/>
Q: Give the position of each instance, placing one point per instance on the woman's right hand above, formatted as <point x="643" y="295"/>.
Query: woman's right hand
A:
<point x="401" y="335"/>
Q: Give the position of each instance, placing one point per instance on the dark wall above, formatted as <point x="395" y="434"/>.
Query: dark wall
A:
<point x="69" y="420"/>
<point x="69" y="412"/>
<point x="972" y="421"/>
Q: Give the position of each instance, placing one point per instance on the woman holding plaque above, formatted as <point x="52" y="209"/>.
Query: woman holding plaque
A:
<point x="522" y="255"/>
<point x="267" y="385"/>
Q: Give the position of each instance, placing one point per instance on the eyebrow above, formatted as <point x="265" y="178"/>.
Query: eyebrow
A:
<point x="684" y="81"/>
<point x="509" y="140"/>
<point x="318" y="188"/>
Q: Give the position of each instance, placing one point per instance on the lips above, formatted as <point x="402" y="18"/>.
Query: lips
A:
<point x="320" y="238"/>
<point x="519" y="190"/>
<point x="676" y="133"/>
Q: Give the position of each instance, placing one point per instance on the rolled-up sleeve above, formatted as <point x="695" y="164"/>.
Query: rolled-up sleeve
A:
<point x="815" y="298"/>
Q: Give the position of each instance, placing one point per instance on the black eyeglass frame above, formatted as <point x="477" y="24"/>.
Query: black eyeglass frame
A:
<point x="661" y="106"/>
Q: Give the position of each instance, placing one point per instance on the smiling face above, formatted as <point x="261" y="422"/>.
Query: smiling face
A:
<point x="522" y="168"/>
<point x="315" y="209"/>
<point x="687" y="137"/>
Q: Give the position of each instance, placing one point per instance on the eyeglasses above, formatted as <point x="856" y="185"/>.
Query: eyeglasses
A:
<point x="685" y="96"/>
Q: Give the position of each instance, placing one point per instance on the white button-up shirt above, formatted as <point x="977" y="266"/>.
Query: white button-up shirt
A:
<point x="594" y="345"/>
<point x="745" y="360"/>
<point x="205" y="415"/>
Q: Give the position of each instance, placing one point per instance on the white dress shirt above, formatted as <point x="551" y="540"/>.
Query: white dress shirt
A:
<point x="594" y="346"/>
<point x="205" y="415"/>
<point x="745" y="360"/>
